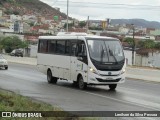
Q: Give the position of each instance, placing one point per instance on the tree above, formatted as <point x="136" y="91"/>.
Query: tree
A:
<point x="31" y="24"/>
<point x="130" y="41"/>
<point x="1" y="46"/>
<point x="70" y="25"/>
<point x="16" y="12"/>
<point x="82" y="24"/>
<point x="148" y="44"/>
<point x="157" y="46"/>
<point x="8" y="12"/>
<point x="25" y="44"/>
<point x="95" y="28"/>
<point x="10" y="43"/>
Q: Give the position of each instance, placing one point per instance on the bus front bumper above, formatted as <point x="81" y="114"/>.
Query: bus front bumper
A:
<point x="95" y="79"/>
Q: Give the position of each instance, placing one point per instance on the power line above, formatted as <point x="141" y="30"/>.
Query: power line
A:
<point x="54" y="2"/>
<point x="111" y="4"/>
<point x="111" y="7"/>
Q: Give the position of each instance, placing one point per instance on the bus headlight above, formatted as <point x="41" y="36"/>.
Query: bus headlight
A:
<point x="122" y="71"/>
<point x="93" y="71"/>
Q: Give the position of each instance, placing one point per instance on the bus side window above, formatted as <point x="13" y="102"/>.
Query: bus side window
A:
<point x="52" y="46"/>
<point x="60" y="47"/>
<point x="73" y="48"/>
<point x="43" y="46"/>
<point x="82" y="49"/>
<point x="67" y="48"/>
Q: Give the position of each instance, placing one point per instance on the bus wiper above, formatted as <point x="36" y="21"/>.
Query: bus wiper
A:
<point x="111" y="53"/>
<point x="102" y="54"/>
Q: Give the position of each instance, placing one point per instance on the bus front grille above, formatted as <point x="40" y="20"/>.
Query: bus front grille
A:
<point x="102" y="80"/>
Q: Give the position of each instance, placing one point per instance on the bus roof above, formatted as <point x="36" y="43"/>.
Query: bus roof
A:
<point x="74" y="35"/>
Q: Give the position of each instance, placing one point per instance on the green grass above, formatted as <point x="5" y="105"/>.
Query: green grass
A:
<point x="13" y="102"/>
<point x="10" y="101"/>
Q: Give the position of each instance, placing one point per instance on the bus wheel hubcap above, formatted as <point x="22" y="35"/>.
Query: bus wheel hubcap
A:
<point x="81" y="83"/>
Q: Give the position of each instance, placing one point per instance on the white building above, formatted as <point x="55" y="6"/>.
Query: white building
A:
<point x="65" y="21"/>
<point x="2" y="21"/>
<point x="13" y="27"/>
<point x="18" y="27"/>
<point x="9" y="29"/>
<point x="15" y="17"/>
<point x="57" y="8"/>
<point x="94" y="23"/>
<point x="95" y="32"/>
<point x="123" y="30"/>
<point x="141" y="37"/>
<point x="1" y="13"/>
<point x="6" y="30"/>
<point x="27" y="17"/>
<point x="26" y="28"/>
<point x="43" y="31"/>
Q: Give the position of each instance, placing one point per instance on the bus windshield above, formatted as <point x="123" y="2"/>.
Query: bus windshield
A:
<point x="105" y="51"/>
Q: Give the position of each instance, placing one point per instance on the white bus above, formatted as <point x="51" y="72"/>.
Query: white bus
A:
<point x="81" y="58"/>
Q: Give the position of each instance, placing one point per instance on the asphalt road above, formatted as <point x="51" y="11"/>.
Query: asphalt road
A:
<point x="133" y="95"/>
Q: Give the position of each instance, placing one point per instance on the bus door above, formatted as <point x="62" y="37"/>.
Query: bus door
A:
<point x="82" y="61"/>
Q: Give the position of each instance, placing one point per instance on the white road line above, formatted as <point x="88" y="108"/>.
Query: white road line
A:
<point x="122" y="101"/>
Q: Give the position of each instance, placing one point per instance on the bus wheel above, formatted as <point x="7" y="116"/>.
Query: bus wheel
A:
<point x="50" y="78"/>
<point x="81" y="84"/>
<point x="6" y="68"/>
<point x="112" y="86"/>
<point x="75" y="84"/>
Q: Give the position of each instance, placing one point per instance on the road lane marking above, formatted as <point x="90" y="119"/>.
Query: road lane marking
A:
<point x="122" y="101"/>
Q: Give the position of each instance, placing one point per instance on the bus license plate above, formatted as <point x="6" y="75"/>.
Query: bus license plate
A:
<point x="109" y="78"/>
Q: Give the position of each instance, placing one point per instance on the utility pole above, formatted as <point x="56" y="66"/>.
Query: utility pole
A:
<point x="67" y="14"/>
<point x="134" y="45"/>
<point x="87" y="25"/>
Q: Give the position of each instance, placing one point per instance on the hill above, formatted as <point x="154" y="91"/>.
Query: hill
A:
<point x="137" y="22"/>
<point x="36" y="7"/>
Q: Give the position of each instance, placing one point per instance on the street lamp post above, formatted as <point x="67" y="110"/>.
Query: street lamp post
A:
<point x="134" y="45"/>
<point x="67" y="13"/>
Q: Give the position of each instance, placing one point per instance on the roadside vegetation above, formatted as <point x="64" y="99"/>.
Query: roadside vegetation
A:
<point x="10" y="43"/>
<point x="145" y="44"/>
<point x="10" y="101"/>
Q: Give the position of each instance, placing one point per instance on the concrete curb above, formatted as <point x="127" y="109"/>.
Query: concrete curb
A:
<point x="143" y="74"/>
<point x="21" y="60"/>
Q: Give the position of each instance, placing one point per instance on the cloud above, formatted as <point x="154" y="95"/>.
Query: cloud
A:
<point x="122" y="9"/>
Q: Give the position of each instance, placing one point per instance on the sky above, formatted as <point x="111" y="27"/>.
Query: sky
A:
<point x="113" y="9"/>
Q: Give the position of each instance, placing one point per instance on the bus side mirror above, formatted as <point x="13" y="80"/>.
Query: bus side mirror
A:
<point x="80" y="58"/>
<point x="81" y="55"/>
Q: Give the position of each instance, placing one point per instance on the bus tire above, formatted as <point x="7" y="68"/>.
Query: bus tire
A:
<point x="75" y="84"/>
<point x="50" y="78"/>
<point x="112" y="86"/>
<point x="6" y="68"/>
<point x="81" y="84"/>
